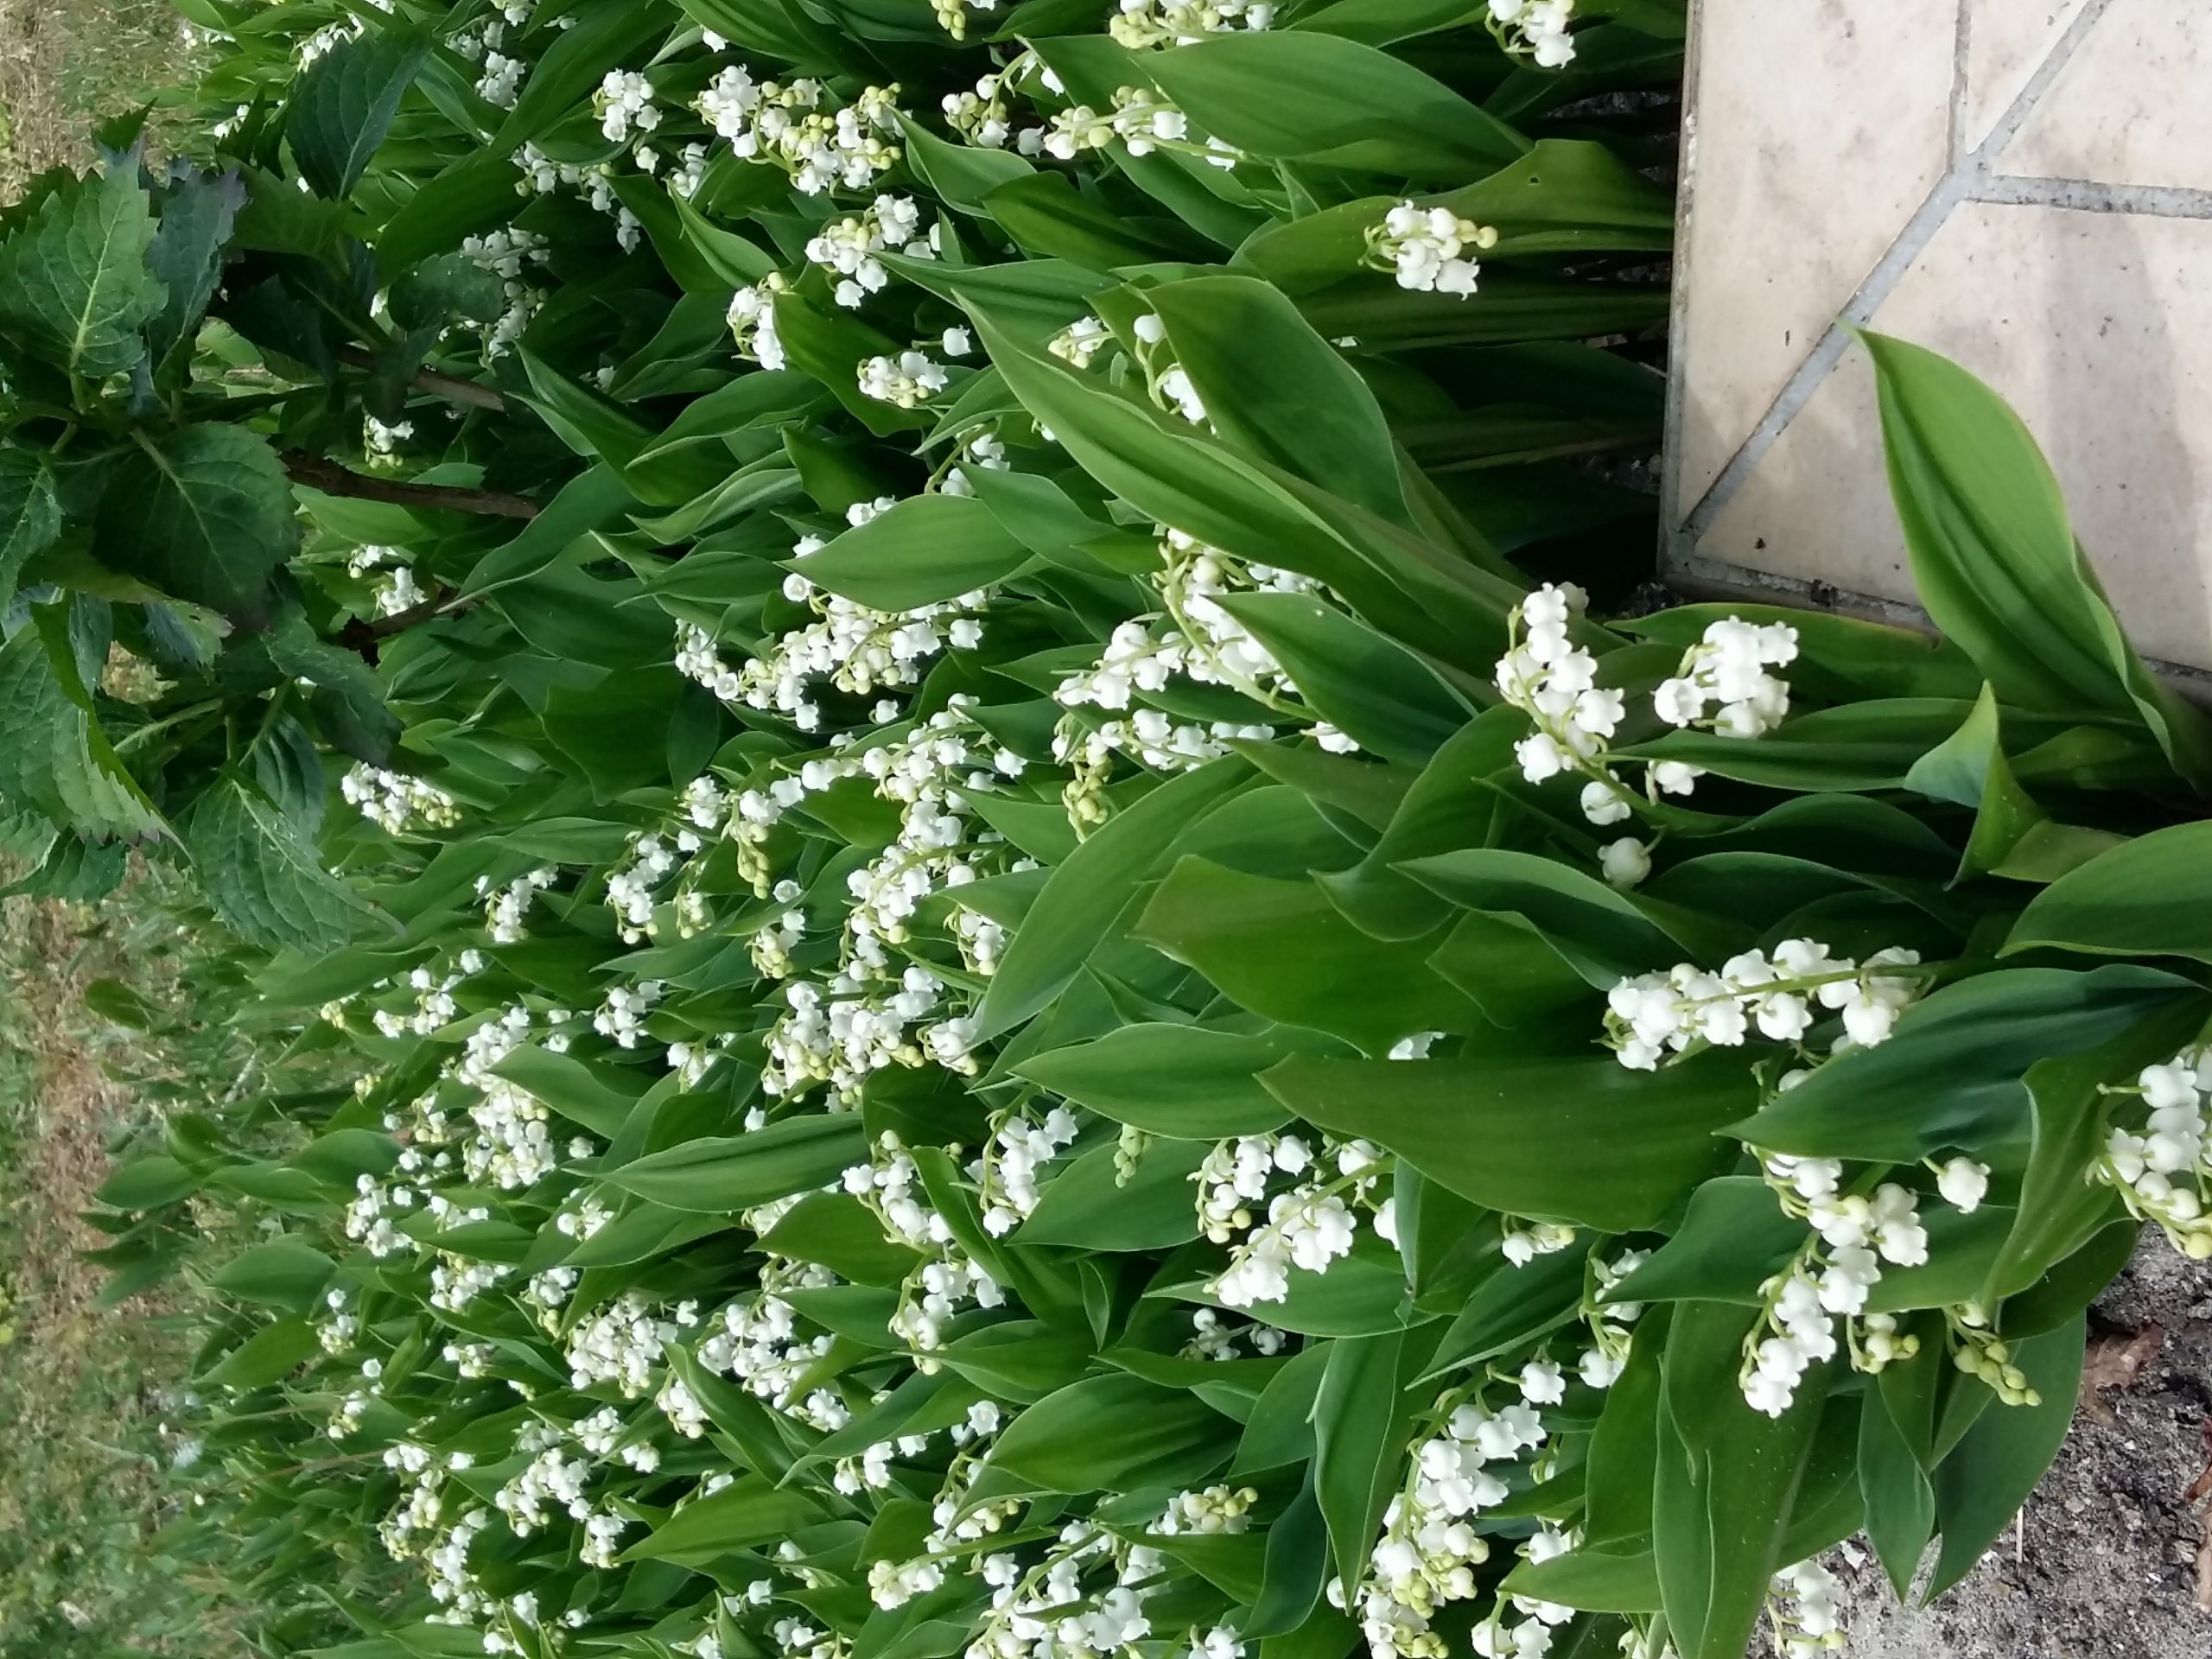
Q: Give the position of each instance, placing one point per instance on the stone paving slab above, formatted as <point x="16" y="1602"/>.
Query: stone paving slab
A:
<point x="2025" y="185"/>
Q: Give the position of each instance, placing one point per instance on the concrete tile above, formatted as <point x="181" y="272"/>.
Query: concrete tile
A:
<point x="2131" y="106"/>
<point x="2091" y="325"/>
<point x="1818" y="128"/>
<point x="2006" y="40"/>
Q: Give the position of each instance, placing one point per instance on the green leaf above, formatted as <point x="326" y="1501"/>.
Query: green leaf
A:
<point x="1492" y="1129"/>
<point x="1726" y="1486"/>
<point x="1899" y="1500"/>
<point x="748" y="1512"/>
<point x="146" y="1183"/>
<point x="2148" y="897"/>
<point x="1183" y="1081"/>
<point x="30" y="517"/>
<point x="926" y="550"/>
<point x="1281" y="949"/>
<point x="186" y="255"/>
<point x="599" y="1096"/>
<point x="263" y="875"/>
<point x="1362" y="1417"/>
<point x="1981" y="1486"/>
<point x="287" y="1272"/>
<point x="56" y="759"/>
<point x="204" y="513"/>
<point x="960" y="175"/>
<point x="2057" y="1207"/>
<point x="1082" y="898"/>
<point x="1279" y="95"/>
<point x="1995" y="558"/>
<point x="73" y="283"/>
<point x="1116" y="1433"/>
<point x="1374" y="690"/>
<point x="1275" y="388"/>
<point x="1594" y="1580"/>
<point x="267" y="1356"/>
<point x="341" y="108"/>
<point x="1953" y="1074"/>
<point x="720" y="1176"/>
<point x="2011" y="833"/>
<point x="1047" y="216"/>
<point x="1089" y="1206"/>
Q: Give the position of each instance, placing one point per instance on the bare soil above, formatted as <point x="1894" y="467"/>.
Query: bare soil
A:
<point x="2111" y="1559"/>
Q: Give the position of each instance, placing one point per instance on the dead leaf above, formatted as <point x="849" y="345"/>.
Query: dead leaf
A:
<point x="2115" y="1362"/>
<point x="2205" y="1575"/>
<point x="2200" y="1488"/>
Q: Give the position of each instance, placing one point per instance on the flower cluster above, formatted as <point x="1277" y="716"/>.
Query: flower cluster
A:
<point x="789" y="126"/>
<point x="1141" y="23"/>
<point x="1429" y="1549"/>
<point x="847" y="246"/>
<point x="1727" y="672"/>
<point x="1431" y="250"/>
<point x="1654" y="1015"/>
<point x="907" y="380"/>
<point x="396" y="802"/>
<point x="1536" y="30"/>
<point x="2160" y="1169"/>
<point x="1308" y="1225"/>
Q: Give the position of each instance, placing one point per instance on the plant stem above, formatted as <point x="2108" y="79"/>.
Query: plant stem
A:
<point x="318" y="474"/>
<point x="450" y="387"/>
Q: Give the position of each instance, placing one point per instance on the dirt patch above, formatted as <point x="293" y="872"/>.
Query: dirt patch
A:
<point x="2105" y="1562"/>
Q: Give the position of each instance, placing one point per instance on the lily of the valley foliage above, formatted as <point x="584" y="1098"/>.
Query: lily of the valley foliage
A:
<point x="999" y="984"/>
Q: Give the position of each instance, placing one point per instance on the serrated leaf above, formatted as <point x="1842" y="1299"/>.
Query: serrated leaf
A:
<point x="75" y="283"/>
<point x="263" y="876"/>
<point x="186" y="254"/>
<point x="204" y="513"/>
<point x="30" y="517"/>
<point x="342" y="107"/>
<point x="55" y="757"/>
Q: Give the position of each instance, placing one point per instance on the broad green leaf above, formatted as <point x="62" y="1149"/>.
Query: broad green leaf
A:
<point x="1899" y="1500"/>
<point x="2148" y="897"/>
<point x="1361" y="1415"/>
<point x="1183" y="1081"/>
<point x="1282" y="96"/>
<point x="747" y="1513"/>
<point x="269" y="1355"/>
<point x="599" y="1096"/>
<point x="30" y="517"/>
<point x="1116" y="1433"/>
<point x="1595" y="1581"/>
<point x="1954" y="1076"/>
<point x="56" y="758"/>
<point x="960" y="175"/>
<point x="723" y="1175"/>
<point x="186" y="255"/>
<point x="204" y="513"/>
<point x="1275" y="388"/>
<point x="1281" y="949"/>
<point x="1492" y="1129"/>
<point x="73" y="283"/>
<point x="1981" y="1486"/>
<point x="286" y="1272"/>
<point x="1728" y="1483"/>
<point x="1089" y="1206"/>
<point x="926" y="550"/>
<point x="1083" y="898"/>
<point x="1995" y="559"/>
<point x="263" y="875"/>
<point x="1374" y="690"/>
<point x="1047" y="216"/>
<point x="341" y="108"/>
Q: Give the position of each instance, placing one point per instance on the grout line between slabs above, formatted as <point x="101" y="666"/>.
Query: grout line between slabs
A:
<point x="1967" y="175"/>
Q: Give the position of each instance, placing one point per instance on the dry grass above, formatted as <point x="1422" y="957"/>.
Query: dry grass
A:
<point x="81" y="1435"/>
<point x="67" y="65"/>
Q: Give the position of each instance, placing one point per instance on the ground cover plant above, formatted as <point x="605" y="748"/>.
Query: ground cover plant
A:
<point x="965" y="939"/>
